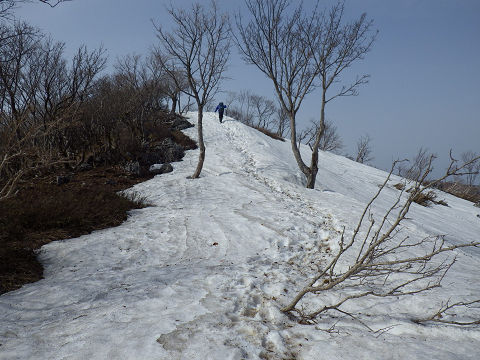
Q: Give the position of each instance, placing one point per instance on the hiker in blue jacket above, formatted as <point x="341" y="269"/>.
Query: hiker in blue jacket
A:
<point x="220" y="108"/>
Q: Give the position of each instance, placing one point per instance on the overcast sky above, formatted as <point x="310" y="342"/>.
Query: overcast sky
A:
<point x="425" y="67"/>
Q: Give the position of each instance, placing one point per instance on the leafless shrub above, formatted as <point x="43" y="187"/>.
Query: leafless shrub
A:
<point x="417" y="166"/>
<point x="463" y="191"/>
<point x="381" y="262"/>
<point x="134" y="197"/>
<point x="425" y="198"/>
<point x="399" y="186"/>
<point x="364" y="150"/>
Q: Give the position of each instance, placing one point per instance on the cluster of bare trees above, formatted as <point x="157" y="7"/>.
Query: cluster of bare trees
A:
<point x="123" y="107"/>
<point x="40" y="98"/>
<point x="55" y="111"/>
<point x="257" y="111"/>
<point x="299" y="51"/>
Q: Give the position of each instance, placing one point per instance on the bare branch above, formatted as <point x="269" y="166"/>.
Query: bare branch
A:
<point x="442" y="315"/>
<point x="381" y="262"/>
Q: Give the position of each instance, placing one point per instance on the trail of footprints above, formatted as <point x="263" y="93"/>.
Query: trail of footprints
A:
<point x="253" y="292"/>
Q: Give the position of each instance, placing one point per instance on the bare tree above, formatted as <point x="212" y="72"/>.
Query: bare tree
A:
<point x="330" y="141"/>
<point x="382" y="262"/>
<point x="473" y="168"/>
<point x="140" y="84"/>
<point x="275" y="41"/>
<point x="263" y="109"/>
<point x="200" y="44"/>
<point x="174" y="80"/>
<point x="6" y="7"/>
<point x="364" y="150"/>
<point x="336" y="45"/>
<point x="253" y="110"/>
<point x="294" y="49"/>
<point x="419" y="164"/>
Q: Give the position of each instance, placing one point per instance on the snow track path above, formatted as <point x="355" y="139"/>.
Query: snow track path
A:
<point x="202" y="274"/>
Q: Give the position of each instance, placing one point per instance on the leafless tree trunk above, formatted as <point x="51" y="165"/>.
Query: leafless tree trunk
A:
<point x="382" y="262"/>
<point x="294" y="49"/>
<point x="200" y="44"/>
<point x="282" y="122"/>
<point x="336" y="45"/>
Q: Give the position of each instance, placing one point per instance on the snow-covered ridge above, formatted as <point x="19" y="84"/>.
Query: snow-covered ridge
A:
<point x="203" y="273"/>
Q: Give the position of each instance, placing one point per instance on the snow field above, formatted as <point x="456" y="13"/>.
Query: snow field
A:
<point x="203" y="273"/>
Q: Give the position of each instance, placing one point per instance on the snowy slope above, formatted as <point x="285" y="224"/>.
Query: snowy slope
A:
<point x="203" y="273"/>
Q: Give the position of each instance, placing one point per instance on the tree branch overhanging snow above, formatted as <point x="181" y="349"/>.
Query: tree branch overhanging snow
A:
<point x="377" y="261"/>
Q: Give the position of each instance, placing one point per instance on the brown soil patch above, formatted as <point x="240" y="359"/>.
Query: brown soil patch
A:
<point x="43" y="212"/>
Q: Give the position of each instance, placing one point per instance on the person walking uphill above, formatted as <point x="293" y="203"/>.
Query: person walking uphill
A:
<point x="220" y="108"/>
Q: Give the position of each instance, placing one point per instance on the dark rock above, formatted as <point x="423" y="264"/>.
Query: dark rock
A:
<point x="63" y="179"/>
<point x="165" y="168"/>
<point x="110" y="182"/>
<point x="165" y="151"/>
<point x="135" y="168"/>
<point x="477" y="204"/>
<point x="173" y="152"/>
<point x="84" y="167"/>
<point x="132" y="167"/>
<point x="181" y="124"/>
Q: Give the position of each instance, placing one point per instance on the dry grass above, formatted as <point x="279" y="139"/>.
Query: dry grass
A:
<point x="269" y="133"/>
<point x="466" y="192"/>
<point x="425" y="198"/>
